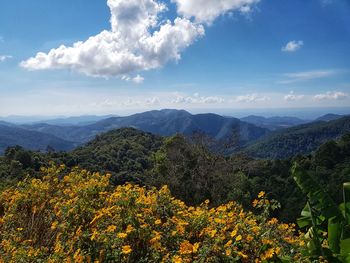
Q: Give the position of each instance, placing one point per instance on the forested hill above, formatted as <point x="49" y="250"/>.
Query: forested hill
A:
<point x="126" y="152"/>
<point x="302" y="139"/>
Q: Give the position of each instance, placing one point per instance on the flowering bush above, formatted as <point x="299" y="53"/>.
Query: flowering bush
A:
<point x="80" y="218"/>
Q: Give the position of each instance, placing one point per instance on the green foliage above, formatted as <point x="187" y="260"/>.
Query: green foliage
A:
<point x="194" y="174"/>
<point x="124" y="153"/>
<point x="327" y="223"/>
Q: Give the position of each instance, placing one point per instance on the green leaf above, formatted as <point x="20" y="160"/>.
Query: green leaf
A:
<point x="320" y="201"/>
<point x="334" y="234"/>
<point x="304" y="221"/>
<point x="345" y="248"/>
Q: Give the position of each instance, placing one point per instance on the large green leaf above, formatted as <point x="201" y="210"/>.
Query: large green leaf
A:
<point x="320" y="201"/>
<point x="345" y="248"/>
<point x="334" y="234"/>
<point x="346" y="195"/>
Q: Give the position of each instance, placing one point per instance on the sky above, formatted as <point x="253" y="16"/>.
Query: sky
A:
<point x="77" y="57"/>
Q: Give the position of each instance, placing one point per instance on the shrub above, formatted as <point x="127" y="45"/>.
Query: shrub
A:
<point x="80" y="218"/>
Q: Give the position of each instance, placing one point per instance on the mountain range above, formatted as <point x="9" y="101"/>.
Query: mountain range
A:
<point x="163" y="122"/>
<point x="275" y="137"/>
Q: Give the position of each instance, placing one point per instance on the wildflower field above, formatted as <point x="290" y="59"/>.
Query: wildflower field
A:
<point x="79" y="217"/>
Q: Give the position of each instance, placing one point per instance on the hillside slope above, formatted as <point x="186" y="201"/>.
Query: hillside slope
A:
<point x="302" y="139"/>
<point x="126" y="153"/>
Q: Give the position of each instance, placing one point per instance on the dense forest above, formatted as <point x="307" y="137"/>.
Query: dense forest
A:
<point x="192" y="172"/>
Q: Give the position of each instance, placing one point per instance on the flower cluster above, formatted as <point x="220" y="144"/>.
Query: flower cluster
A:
<point x="81" y="218"/>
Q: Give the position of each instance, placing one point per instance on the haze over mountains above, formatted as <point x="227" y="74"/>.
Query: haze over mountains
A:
<point x="252" y="132"/>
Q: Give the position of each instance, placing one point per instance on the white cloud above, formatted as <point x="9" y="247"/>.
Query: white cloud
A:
<point x="136" y="42"/>
<point x="206" y="11"/>
<point x="335" y="95"/>
<point x="251" y="98"/>
<point x="293" y="46"/>
<point x="152" y="101"/>
<point x="3" y="58"/>
<point x="308" y="75"/>
<point x="293" y="97"/>
<point x="197" y="99"/>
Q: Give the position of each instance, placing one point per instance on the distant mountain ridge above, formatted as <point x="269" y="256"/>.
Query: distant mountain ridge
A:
<point x="163" y="122"/>
<point x="329" y="117"/>
<point x="76" y="120"/>
<point x="273" y="123"/>
<point x="302" y="139"/>
<point x="32" y="140"/>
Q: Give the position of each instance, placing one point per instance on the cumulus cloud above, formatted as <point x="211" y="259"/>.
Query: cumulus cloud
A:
<point x="293" y="97"/>
<point x="206" y="11"/>
<point x="137" y="41"/>
<point x="293" y="46"/>
<point x="250" y="98"/>
<point x="331" y="95"/>
<point x="3" y="58"/>
<point x="197" y="99"/>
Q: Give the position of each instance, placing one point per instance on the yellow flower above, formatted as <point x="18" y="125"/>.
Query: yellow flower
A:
<point x="129" y="229"/>
<point x="126" y="249"/>
<point x="212" y="233"/>
<point x="186" y="248"/>
<point x="196" y="247"/>
<point x="228" y="252"/>
<point x="122" y="235"/>
<point x="229" y="243"/>
<point x="239" y="238"/>
<point x="255" y="203"/>
<point x="268" y="254"/>
<point x="234" y="233"/>
<point x="255" y="229"/>
<point x="177" y="259"/>
<point x="249" y="238"/>
<point x="273" y="221"/>
<point x="111" y="228"/>
<point x="54" y="225"/>
<point x="158" y="222"/>
<point x="261" y="194"/>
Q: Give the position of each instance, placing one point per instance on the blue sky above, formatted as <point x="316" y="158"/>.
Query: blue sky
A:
<point x="211" y="55"/>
